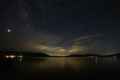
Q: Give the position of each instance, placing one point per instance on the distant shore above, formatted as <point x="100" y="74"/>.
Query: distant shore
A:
<point x="41" y="54"/>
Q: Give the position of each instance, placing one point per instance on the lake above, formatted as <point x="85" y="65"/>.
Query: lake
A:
<point x="41" y="68"/>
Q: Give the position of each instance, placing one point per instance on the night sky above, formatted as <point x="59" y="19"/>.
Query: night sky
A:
<point x="60" y="27"/>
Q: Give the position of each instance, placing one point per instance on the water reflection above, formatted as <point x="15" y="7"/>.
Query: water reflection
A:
<point x="57" y="63"/>
<point x="73" y="63"/>
<point x="43" y="67"/>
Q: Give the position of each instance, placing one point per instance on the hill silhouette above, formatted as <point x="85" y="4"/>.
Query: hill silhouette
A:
<point x="33" y="54"/>
<point x="90" y="54"/>
<point x="24" y="53"/>
<point x="80" y="55"/>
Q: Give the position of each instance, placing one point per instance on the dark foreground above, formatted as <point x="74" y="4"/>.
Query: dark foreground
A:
<point x="84" y="68"/>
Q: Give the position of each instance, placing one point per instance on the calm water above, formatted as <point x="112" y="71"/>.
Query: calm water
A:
<point x="85" y="68"/>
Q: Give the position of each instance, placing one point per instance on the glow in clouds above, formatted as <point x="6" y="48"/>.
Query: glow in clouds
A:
<point x="59" y="51"/>
<point x="54" y="46"/>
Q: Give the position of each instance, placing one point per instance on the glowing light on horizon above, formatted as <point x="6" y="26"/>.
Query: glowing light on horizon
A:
<point x="58" y="51"/>
<point x="10" y="56"/>
<point x="9" y="30"/>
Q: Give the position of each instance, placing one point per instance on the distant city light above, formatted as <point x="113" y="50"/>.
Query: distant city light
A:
<point x="20" y="56"/>
<point x="7" y="56"/>
<point x="10" y="56"/>
<point x="9" y="30"/>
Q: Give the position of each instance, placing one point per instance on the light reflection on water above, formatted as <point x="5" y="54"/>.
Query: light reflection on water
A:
<point x="70" y="63"/>
<point x="57" y="63"/>
<point x="45" y="67"/>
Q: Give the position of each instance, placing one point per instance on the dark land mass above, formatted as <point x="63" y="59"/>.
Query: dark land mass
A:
<point x="77" y="55"/>
<point x="25" y="53"/>
<point x="41" y="54"/>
